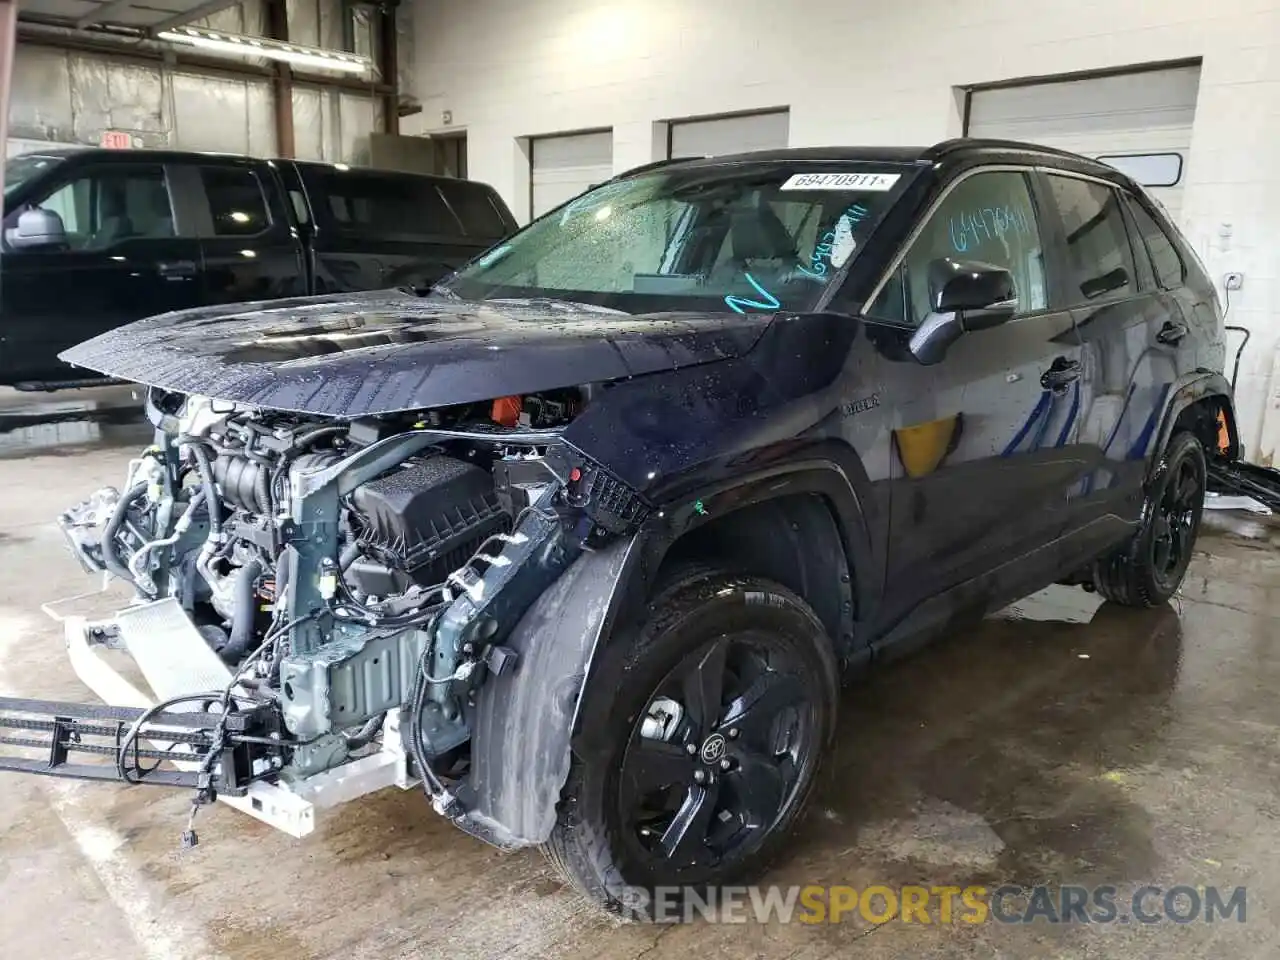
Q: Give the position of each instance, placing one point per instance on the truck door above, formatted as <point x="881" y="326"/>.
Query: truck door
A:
<point x="250" y="247"/>
<point x="125" y="255"/>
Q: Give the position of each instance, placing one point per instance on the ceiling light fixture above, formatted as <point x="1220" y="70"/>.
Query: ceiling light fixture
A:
<point x="242" y="46"/>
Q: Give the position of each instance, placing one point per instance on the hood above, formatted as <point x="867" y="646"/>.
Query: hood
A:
<point x="352" y="356"/>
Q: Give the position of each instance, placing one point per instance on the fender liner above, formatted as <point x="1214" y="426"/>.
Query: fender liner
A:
<point x="1188" y="389"/>
<point x="526" y="723"/>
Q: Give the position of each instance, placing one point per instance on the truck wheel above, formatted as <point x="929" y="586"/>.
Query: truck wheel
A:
<point x="706" y="741"/>
<point x="1147" y="571"/>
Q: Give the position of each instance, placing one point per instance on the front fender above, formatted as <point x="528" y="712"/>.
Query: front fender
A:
<point x="525" y="724"/>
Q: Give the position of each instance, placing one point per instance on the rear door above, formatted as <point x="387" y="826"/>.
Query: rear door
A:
<point x="1136" y="338"/>
<point x="250" y="249"/>
<point x="983" y="439"/>
<point x="377" y="229"/>
<point x="129" y="254"/>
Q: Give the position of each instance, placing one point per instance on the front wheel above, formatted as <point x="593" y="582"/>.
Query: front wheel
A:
<point x="1147" y="571"/>
<point x="709" y="738"/>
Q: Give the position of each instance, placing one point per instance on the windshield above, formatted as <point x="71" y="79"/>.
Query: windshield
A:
<point x="21" y="169"/>
<point x="717" y="238"/>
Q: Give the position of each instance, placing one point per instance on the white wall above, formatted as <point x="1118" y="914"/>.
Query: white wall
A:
<point x="874" y="71"/>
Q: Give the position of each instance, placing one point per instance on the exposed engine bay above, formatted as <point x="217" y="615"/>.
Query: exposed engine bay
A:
<point x="350" y="574"/>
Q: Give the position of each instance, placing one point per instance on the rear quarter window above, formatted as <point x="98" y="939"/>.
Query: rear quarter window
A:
<point x="1165" y="259"/>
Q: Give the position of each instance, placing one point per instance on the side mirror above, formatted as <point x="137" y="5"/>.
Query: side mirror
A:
<point x="37" y="228"/>
<point x="964" y="296"/>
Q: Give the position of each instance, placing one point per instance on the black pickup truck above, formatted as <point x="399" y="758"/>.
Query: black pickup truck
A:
<point x="93" y="239"/>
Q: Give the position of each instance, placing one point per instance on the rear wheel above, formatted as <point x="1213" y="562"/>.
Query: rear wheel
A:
<point x="1148" y="570"/>
<point x="708" y="741"/>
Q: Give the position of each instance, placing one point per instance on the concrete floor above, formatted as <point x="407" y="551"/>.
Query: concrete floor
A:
<point x="1056" y="744"/>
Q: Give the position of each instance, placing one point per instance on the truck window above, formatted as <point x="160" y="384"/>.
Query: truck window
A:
<point x="473" y="205"/>
<point x="386" y="204"/>
<point x="236" y="201"/>
<point x="102" y="207"/>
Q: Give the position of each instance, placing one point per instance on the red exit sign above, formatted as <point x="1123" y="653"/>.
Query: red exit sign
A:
<point x="117" y="140"/>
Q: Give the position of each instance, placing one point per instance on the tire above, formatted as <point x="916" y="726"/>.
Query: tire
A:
<point x="602" y="842"/>
<point x="1148" y="569"/>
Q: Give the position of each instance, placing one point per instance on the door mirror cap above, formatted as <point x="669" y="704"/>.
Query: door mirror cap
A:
<point x="965" y="295"/>
<point x="37" y="228"/>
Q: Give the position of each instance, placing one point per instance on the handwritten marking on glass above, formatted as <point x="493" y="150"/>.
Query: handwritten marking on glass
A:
<point x="769" y="301"/>
<point x="973" y="228"/>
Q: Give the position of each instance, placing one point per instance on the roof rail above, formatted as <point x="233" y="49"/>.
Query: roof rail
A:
<point x="654" y="165"/>
<point x="945" y="147"/>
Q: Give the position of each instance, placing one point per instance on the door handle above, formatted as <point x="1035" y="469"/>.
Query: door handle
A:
<point x="1061" y="373"/>
<point x="176" y="269"/>
<point x="1172" y="333"/>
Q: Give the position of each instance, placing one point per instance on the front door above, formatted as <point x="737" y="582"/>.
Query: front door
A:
<point x="983" y="459"/>
<point x="123" y="260"/>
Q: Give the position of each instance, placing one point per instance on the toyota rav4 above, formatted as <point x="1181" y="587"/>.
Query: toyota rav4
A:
<point x="584" y="540"/>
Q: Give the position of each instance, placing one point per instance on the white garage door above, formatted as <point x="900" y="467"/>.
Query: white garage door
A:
<point x="562" y="167"/>
<point x="1138" y="122"/>
<point x="721" y="135"/>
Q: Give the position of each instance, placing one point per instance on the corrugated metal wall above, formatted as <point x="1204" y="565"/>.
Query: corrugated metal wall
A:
<point x="65" y="97"/>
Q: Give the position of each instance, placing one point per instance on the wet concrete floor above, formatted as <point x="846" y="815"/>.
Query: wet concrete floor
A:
<point x="1061" y="743"/>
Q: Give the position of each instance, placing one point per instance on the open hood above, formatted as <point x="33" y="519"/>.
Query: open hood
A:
<point x="351" y="356"/>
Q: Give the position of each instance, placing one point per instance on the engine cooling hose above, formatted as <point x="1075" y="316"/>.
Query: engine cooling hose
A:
<point x="244" y="607"/>
<point x="212" y="503"/>
<point x="109" y="557"/>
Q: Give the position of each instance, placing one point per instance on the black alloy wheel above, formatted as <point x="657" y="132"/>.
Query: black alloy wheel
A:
<point x="701" y="732"/>
<point x="714" y="762"/>
<point x="1148" y="569"/>
<point x="1175" y="520"/>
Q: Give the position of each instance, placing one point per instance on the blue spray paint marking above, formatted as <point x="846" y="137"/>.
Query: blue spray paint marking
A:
<point x="1041" y="410"/>
<point x="972" y="228"/>
<point x="1041" y="417"/>
<point x="736" y="304"/>
<point x="1139" y="448"/>
<point x="821" y="259"/>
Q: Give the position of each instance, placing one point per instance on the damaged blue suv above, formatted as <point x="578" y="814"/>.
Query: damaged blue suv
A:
<point x="584" y="540"/>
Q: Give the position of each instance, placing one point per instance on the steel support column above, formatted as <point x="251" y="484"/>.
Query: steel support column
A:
<point x="281" y="80"/>
<point x="389" y="65"/>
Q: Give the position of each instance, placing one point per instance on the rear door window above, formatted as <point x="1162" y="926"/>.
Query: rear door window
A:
<point x="237" y="202"/>
<point x="1096" y="250"/>
<point x="386" y="205"/>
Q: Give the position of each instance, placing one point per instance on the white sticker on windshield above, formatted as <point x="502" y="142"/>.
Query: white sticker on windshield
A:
<point x="842" y="244"/>
<point x="841" y="181"/>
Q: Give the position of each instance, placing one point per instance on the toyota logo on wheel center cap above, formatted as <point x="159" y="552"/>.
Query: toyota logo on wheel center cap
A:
<point x="713" y="748"/>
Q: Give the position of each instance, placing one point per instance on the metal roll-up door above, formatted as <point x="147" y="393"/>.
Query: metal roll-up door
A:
<point x="1139" y="122"/>
<point x="723" y="135"/>
<point x="562" y="167"/>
